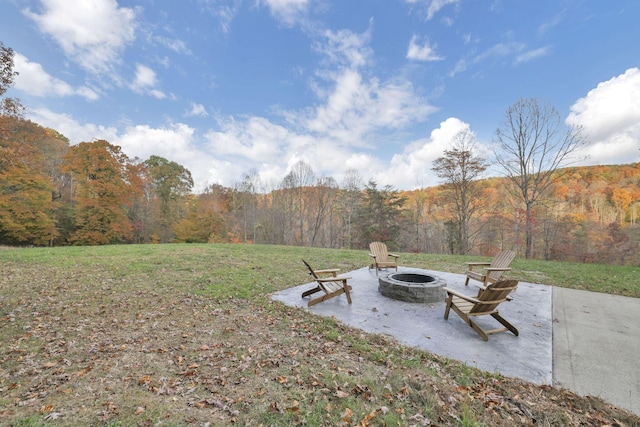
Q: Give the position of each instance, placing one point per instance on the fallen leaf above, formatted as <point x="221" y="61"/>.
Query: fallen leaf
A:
<point x="54" y="416"/>
<point x="341" y="394"/>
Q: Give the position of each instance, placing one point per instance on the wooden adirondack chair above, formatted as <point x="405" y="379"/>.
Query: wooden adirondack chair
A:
<point x="331" y="285"/>
<point x="492" y="270"/>
<point x="485" y="303"/>
<point x="380" y="257"/>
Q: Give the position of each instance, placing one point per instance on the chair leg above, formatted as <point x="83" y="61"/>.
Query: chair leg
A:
<point x="311" y="291"/>
<point x="448" y="307"/>
<point x="506" y="324"/>
<point x="347" y="292"/>
<point x="318" y="300"/>
<point x="466" y="282"/>
<point x="478" y="329"/>
<point x="465" y="317"/>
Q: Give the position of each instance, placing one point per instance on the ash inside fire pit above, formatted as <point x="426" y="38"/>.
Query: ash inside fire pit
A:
<point x="412" y="287"/>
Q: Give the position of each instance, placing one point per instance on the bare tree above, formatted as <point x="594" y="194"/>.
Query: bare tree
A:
<point x="8" y="106"/>
<point x="351" y="185"/>
<point x="300" y="176"/>
<point x="460" y="168"/>
<point x="533" y="145"/>
<point x="247" y="190"/>
<point x="321" y="207"/>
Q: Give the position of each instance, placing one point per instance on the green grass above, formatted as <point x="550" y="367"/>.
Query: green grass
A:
<point x="223" y="270"/>
<point x="188" y="335"/>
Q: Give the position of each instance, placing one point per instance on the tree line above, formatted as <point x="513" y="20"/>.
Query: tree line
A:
<point x="53" y="193"/>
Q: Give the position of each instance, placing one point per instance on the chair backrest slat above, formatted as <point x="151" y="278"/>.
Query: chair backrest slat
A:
<point x="379" y="249"/>
<point x="502" y="260"/>
<point x="311" y="272"/>
<point x="493" y="295"/>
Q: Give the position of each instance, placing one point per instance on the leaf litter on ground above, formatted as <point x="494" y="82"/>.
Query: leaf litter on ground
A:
<point x="89" y="346"/>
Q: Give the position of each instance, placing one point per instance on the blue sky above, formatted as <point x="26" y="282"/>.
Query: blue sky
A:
<point x="225" y="87"/>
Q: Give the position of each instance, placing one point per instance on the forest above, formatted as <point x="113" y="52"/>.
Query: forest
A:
<point x="53" y="194"/>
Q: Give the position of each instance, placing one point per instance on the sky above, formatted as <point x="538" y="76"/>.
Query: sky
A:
<point x="234" y="87"/>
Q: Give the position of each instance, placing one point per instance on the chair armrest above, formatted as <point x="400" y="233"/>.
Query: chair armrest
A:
<point x="372" y="256"/>
<point x="475" y="264"/>
<point x="332" y="271"/>
<point x="332" y="279"/>
<point x="461" y="295"/>
<point x="394" y="255"/>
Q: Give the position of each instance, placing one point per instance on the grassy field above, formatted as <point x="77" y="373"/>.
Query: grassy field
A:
<point x="188" y="335"/>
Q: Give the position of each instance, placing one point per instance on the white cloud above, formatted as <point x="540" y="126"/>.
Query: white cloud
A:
<point x="422" y="52"/>
<point x="433" y="6"/>
<point x="533" y="54"/>
<point x="436" y="5"/>
<point x="352" y="108"/>
<point x="509" y="49"/>
<point x="158" y="94"/>
<point x="224" y="10"/>
<point x="610" y="117"/>
<point x="175" y="45"/>
<point x="197" y="110"/>
<point x="352" y="113"/>
<point x="346" y="48"/>
<point x="355" y="108"/>
<point x="92" y="33"/>
<point x="145" y="81"/>
<point x="145" y="77"/>
<point x="412" y="168"/>
<point x="34" y="80"/>
<point x="253" y="140"/>
<point x="500" y="50"/>
<point x="175" y="142"/>
<point x="69" y="127"/>
<point x="289" y="12"/>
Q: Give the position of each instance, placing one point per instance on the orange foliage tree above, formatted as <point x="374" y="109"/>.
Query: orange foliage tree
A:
<point x="29" y="176"/>
<point x="100" y="186"/>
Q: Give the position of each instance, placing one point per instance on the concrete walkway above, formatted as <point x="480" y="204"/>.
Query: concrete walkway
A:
<point x="585" y="342"/>
<point x="596" y="346"/>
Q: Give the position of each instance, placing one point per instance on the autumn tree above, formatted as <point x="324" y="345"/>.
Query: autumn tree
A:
<point x="379" y="216"/>
<point x="101" y="188"/>
<point x="533" y="144"/>
<point x="206" y="220"/>
<point x="460" y="168"/>
<point x="171" y="183"/>
<point x="138" y="202"/>
<point x="202" y="223"/>
<point x="25" y="197"/>
<point x="621" y="199"/>
<point x="30" y="182"/>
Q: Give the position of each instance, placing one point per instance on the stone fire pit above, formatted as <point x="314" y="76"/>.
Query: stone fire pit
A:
<point x="412" y="287"/>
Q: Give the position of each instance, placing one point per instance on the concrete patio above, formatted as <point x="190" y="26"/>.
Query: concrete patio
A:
<point x="579" y="365"/>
